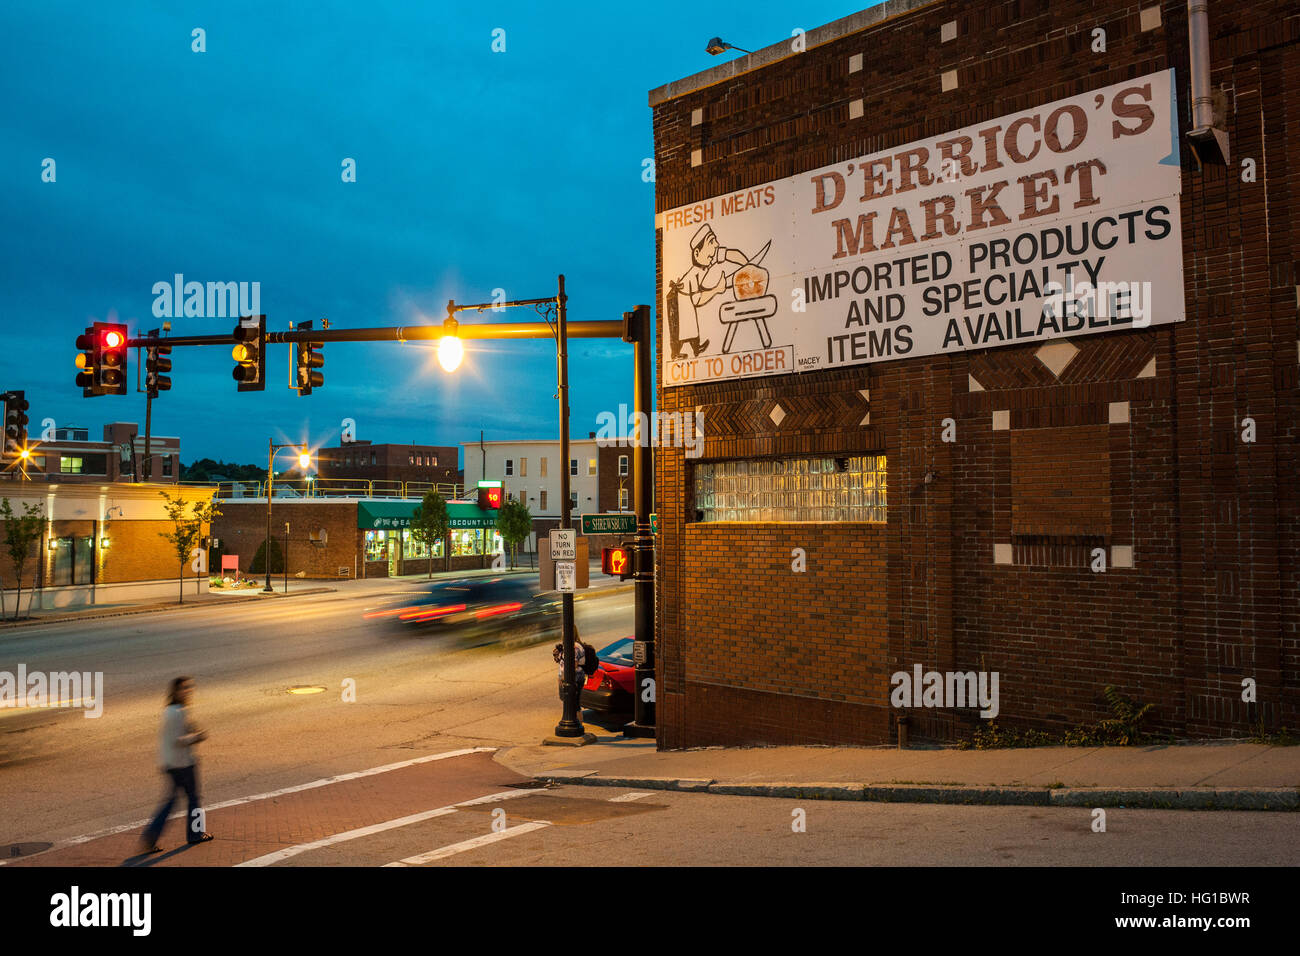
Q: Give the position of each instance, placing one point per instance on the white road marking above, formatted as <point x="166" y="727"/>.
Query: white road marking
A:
<point x="443" y="852"/>
<point x="325" y="781"/>
<point x="629" y="797"/>
<point x="359" y="832"/>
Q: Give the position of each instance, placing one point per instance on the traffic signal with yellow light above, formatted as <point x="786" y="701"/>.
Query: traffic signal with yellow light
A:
<point x="308" y="359"/>
<point x="157" y="363"/>
<point x="15" y="437"/>
<point x="249" y="354"/>
<point x="490" y="497"/>
<point x="617" y="562"/>
<point x="102" y="362"/>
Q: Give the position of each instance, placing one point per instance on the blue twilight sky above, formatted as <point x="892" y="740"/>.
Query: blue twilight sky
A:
<point x="475" y="170"/>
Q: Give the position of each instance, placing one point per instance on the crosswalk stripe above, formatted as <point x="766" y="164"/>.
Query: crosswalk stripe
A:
<point x="628" y="797"/>
<point x="443" y="852"/>
<point x="299" y="848"/>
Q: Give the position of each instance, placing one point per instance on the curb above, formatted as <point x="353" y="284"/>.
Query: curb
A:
<point x="1153" y="798"/>
<point x="152" y="608"/>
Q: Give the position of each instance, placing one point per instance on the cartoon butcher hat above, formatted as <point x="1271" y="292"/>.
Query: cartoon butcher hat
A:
<point x="700" y="235"/>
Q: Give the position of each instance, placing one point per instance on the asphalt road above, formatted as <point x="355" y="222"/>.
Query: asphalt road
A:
<point x="62" y="775"/>
<point x="422" y="703"/>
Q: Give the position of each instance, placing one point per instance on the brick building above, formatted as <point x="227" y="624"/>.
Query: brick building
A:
<point x="100" y="545"/>
<point x="435" y="464"/>
<point x="71" y="457"/>
<point x="980" y="475"/>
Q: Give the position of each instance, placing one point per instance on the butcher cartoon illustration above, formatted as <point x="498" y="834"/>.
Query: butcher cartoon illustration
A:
<point x="715" y="270"/>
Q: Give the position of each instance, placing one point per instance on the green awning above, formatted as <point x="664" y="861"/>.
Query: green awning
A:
<point x="386" y="515"/>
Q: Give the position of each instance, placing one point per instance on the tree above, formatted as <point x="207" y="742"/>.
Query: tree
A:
<point x="258" y="566"/>
<point x="431" y="523"/>
<point x="186" y="529"/>
<point x="514" y="524"/>
<point x="20" y="532"/>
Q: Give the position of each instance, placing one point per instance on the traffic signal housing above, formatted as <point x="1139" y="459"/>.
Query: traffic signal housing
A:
<point x="617" y="561"/>
<point x="157" y="363"/>
<point x="102" y="362"/>
<point x="308" y="359"/>
<point x="249" y="354"/>
<point x="112" y="358"/>
<point x="15" y="437"/>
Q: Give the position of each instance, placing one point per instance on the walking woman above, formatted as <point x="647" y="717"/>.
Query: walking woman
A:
<point x="176" y="757"/>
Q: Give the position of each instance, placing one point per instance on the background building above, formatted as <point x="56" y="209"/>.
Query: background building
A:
<point x="71" y="456"/>
<point x="600" y="477"/>
<point x="435" y="464"/>
<point x="953" y="500"/>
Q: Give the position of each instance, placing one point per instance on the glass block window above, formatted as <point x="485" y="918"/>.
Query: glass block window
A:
<point x="792" y="489"/>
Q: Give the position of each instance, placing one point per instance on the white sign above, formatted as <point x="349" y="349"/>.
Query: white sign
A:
<point x="564" y="544"/>
<point x="1056" y="221"/>
<point x="566" y="576"/>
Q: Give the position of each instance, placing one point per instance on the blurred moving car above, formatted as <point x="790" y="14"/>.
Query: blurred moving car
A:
<point x="477" y="610"/>
<point x="609" y="690"/>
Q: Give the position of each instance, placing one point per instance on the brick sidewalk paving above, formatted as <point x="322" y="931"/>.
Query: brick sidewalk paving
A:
<point x="256" y="827"/>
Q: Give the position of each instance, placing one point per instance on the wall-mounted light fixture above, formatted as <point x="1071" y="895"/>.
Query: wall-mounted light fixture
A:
<point x="103" y="542"/>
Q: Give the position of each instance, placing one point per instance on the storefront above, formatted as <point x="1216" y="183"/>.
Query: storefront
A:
<point x="389" y="547"/>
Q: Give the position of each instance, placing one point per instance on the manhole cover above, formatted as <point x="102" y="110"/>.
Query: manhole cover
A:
<point x="14" y="850"/>
<point x="564" y="811"/>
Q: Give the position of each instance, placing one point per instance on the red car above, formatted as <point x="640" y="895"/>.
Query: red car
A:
<point x="610" y="689"/>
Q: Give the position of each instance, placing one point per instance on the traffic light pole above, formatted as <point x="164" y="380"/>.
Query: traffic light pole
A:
<point x="270" y="477"/>
<point x="643" y="647"/>
<point x="570" y="724"/>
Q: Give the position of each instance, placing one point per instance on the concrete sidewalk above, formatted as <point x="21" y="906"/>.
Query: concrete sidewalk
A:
<point x="1219" y="775"/>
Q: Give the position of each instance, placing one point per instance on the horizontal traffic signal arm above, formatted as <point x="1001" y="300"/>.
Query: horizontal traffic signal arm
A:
<point x="405" y="333"/>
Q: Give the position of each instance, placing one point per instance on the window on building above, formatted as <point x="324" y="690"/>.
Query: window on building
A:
<point x="167" y="466"/>
<point x="573" y="501"/>
<point x="510" y="466"/>
<point x="523" y="467"/>
<point x="373" y="459"/>
<point x="591" y="466"/>
<point x="376" y="546"/>
<point x="541" y="501"/>
<point x="433" y="461"/>
<point x="622" y="466"/>
<point x="410" y="459"/>
<point x="622" y="499"/>
<point x="573" y="466"/>
<point x="792" y="489"/>
<point x="543" y="472"/>
<point x="70" y="466"/>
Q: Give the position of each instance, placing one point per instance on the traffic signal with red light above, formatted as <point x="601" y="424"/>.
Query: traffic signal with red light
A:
<point x="157" y="363"/>
<point x="308" y="360"/>
<point x="249" y="354"/>
<point x="15" y="437"/>
<point x="489" y="498"/>
<point x="617" y="562"/>
<point x="112" y="358"/>
<point x="102" y="362"/>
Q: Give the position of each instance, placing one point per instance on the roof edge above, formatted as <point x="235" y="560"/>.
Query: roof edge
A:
<point x="836" y="29"/>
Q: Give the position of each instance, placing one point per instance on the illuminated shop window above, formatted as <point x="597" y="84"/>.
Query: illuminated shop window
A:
<point x="792" y="489"/>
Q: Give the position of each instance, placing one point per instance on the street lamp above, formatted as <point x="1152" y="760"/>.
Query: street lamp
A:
<point x="304" y="462"/>
<point x="718" y="45"/>
<point x="450" y="349"/>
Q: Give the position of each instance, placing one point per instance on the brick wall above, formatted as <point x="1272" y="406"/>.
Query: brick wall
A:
<point x="976" y="569"/>
<point x="242" y="530"/>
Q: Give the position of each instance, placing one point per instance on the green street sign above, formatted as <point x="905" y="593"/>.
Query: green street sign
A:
<point x="609" y="524"/>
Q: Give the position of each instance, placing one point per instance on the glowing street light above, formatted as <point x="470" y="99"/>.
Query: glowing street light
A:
<point x="304" y="460"/>
<point x="450" y="348"/>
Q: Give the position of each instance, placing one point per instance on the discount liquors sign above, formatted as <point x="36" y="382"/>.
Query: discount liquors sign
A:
<point x="1056" y="221"/>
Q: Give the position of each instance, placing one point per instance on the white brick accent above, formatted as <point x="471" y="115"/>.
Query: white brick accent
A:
<point x="1150" y="18"/>
<point x="697" y="157"/>
<point x="1002" y="420"/>
<point x="1118" y="413"/>
<point x="855" y="109"/>
<point x="1002" y="554"/>
<point x="855" y="63"/>
<point x="949" y="80"/>
<point x="697" y="116"/>
<point x="948" y="31"/>
<point x="1121" y="556"/>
